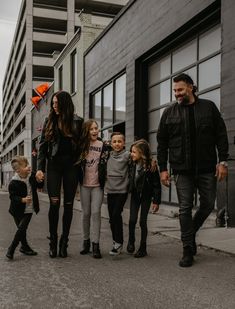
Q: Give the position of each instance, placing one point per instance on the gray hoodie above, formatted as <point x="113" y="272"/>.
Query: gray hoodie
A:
<point x="117" y="172"/>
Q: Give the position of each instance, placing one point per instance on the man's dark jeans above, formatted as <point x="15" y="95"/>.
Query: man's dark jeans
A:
<point x="186" y="185"/>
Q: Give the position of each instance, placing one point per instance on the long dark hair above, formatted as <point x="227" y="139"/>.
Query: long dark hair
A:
<point x="64" y="119"/>
<point x="86" y="137"/>
<point x="143" y="147"/>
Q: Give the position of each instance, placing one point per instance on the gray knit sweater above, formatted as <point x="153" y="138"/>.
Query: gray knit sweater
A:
<point x="117" y="172"/>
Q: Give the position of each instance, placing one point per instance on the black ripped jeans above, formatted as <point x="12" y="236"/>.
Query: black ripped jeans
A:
<point x="60" y="170"/>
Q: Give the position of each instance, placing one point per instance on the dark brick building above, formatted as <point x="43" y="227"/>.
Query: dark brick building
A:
<point x="130" y="67"/>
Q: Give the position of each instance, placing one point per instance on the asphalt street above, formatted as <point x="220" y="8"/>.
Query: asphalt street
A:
<point x="155" y="281"/>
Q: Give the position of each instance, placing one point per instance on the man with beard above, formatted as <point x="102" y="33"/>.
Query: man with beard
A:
<point x="194" y="135"/>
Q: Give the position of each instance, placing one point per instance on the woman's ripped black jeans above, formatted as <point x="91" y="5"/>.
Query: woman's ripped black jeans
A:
<point x="61" y="171"/>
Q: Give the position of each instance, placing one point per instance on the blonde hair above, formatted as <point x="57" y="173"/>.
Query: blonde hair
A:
<point x="19" y="161"/>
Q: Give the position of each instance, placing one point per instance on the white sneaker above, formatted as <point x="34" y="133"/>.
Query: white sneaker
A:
<point x="116" y="250"/>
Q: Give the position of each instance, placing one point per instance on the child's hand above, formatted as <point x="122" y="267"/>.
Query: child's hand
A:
<point x="153" y="166"/>
<point x="155" y="208"/>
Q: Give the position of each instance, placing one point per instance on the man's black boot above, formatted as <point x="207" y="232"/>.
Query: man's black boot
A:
<point x="63" y="247"/>
<point x="96" y="251"/>
<point x="53" y="246"/>
<point x="86" y="247"/>
<point x="187" y="259"/>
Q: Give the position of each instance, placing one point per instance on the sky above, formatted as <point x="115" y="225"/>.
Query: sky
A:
<point x="8" y="18"/>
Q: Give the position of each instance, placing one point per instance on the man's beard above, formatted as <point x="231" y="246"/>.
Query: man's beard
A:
<point x="185" y="100"/>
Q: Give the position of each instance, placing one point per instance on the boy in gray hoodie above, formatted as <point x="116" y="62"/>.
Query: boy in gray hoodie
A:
<point x="116" y="187"/>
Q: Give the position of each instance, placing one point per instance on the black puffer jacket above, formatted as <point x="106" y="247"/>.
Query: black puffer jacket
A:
<point x="49" y="149"/>
<point x="173" y="137"/>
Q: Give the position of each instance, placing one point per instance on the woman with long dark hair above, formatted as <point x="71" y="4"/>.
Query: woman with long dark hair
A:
<point x="60" y="147"/>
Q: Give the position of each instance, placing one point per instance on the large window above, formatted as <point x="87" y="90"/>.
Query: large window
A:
<point x="74" y="76"/>
<point x="200" y="58"/>
<point x="109" y="106"/>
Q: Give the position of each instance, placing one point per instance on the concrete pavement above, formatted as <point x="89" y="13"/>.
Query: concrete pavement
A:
<point x="166" y="223"/>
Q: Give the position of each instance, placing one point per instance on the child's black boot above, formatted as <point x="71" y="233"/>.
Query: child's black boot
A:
<point x="11" y="249"/>
<point x="96" y="251"/>
<point x="142" y="251"/>
<point x="53" y="246"/>
<point x="86" y="247"/>
<point x="26" y="249"/>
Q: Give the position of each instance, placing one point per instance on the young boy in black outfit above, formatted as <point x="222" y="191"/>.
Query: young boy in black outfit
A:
<point x="23" y="202"/>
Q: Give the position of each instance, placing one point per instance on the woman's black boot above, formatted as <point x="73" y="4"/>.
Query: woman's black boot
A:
<point x="96" y="250"/>
<point x="86" y="247"/>
<point x="63" y="247"/>
<point x="53" y="246"/>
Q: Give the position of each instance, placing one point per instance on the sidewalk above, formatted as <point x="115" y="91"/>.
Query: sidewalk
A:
<point x="166" y="223"/>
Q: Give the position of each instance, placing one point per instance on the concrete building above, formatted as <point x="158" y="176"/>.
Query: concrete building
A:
<point x="43" y="29"/>
<point x="147" y="45"/>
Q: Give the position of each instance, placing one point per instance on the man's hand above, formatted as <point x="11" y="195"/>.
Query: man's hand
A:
<point x="221" y="172"/>
<point x="39" y="176"/>
<point x="165" y="178"/>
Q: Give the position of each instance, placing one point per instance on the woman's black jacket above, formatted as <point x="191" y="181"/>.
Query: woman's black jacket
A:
<point x="48" y="150"/>
<point x="148" y="184"/>
<point x="17" y="190"/>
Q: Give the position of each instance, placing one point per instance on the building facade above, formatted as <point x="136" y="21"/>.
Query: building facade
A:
<point x="147" y="45"/>
<point x="43" y="29"/>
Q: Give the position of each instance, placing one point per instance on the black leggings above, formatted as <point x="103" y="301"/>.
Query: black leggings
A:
<point x="136" y="203"/>
<point x="61" y="169"/>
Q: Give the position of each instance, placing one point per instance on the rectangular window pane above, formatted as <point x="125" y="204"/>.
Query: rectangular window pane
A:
<point x="159" y="94"/>
<point x="153" y="142"/>
<point x="106" y="134"/>
<point x="61" y="77"/>
<point x="120" y="98"/>
<point x="209" y="73"/>
<point x="96" y="107"/>
<point x="159" y="70"/>
<point x="154" y="119"/>
<point x="108" y="105"/>
<point x="209" y="42"/>
<point x="184" y="56"/>
<point x="74" y="72"/>
<point x="213" y="95"/>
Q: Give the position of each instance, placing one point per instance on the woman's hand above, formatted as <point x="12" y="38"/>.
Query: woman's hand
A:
<point x="155" y="208"/>
<point x="39" y="176"/>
